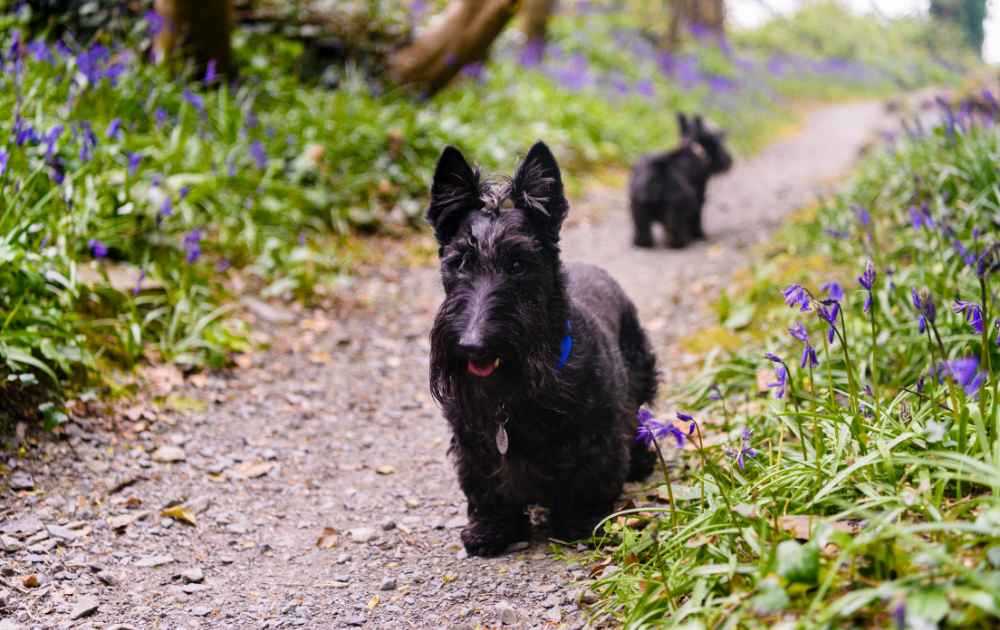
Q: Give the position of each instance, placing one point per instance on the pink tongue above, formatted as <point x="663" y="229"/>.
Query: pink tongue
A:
<point x="482" y="371"/>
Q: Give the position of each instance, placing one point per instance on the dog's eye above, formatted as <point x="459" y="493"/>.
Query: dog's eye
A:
<point x="517" y="268"/>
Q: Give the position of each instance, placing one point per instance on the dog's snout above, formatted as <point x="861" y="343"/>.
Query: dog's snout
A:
<point x="472" y="345"/>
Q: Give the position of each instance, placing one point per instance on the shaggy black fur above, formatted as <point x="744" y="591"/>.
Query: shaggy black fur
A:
<point x="495" y="355"/>
<point x="669" y="188"/>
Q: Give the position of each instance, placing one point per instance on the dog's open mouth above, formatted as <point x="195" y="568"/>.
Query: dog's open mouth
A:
<point x="482" y="370"/>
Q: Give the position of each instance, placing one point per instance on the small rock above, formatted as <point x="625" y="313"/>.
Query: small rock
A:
<point x="62" y="532"/>
<point x="388" y="584"/>
<point x="149" y="562"/>
<point x="342" y="558"/>
<point x="169" y="454"/>
<point x="355" y="620"/>
<point x="587" y="597"/>
<point x="107" y="578"/>
<point x="22" y="527"/>
<point x="201" y="611"/>
<point x="86" y="606"/>
<point x="508" y="616"/>
<point x="388" y="526"/>
<point x="553" y="615"/>
<point x="362" y="534"/>
<point x="10" y="544"/>
<point x="191" y="589"/>
<point x="21" y="481"/>
<point x="193" y="575"/>
<point x="456" y="522"/>
<point x="518" y="546"/>
<point x="550" y="602"/>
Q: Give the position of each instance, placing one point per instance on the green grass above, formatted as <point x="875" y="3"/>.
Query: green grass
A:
<point x="272" y="180"/>
<point x="874" y="489"/>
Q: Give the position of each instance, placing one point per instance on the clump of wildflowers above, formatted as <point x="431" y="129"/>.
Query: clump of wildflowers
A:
<point x="973" y="314"/>
<point x="965" y="372"/>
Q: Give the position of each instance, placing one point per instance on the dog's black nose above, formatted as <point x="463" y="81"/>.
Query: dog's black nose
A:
<point x="471" y="345"/>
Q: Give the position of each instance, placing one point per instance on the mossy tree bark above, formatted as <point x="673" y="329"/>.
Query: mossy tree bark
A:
<point x="461" y="35"/>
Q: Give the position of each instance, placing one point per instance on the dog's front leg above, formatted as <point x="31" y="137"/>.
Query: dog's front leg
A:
<point x="495" y="520"/>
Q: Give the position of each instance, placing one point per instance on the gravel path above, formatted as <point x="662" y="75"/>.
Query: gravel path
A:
<point x="317" y="474"/>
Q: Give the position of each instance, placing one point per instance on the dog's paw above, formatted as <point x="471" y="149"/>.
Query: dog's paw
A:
<point x="574" y="528"/>
<point x="643" y="241"/>
<point x="489" y="539"/>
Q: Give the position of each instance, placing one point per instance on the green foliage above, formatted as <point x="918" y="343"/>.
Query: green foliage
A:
<point x="871" y="492"/>
<point x="123" y="235"/>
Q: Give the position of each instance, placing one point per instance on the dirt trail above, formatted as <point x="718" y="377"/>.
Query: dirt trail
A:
<point x="334" y="428"/>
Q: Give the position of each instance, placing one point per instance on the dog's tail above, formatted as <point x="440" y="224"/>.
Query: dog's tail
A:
<point x="641" y="362"/>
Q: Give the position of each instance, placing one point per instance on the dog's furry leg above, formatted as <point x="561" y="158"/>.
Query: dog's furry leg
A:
<point x="494" y="521"/>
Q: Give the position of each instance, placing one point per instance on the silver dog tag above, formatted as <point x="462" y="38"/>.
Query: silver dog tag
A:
<point x="503" y="442"/>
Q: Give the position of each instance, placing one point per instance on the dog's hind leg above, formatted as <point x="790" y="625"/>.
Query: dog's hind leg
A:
<point x="641" y="362"/>
<point x="643" y="224"/>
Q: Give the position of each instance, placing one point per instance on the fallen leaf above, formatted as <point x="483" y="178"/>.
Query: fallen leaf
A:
<point x="746" y="510"/>
<point x="252" y="470"/>
<point x="319" y="358"/>
<point x="373" y="602"/>
<point x="385" y="470"/>
<point x="180" y="513"/>
<point x="328" y="539"/>
<point x="30" y="581"/>
<point x="244" y="361"/>
<point x="801" y="525"/>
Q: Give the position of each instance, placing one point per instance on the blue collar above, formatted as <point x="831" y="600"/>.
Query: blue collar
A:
<point x="566" y="347"/>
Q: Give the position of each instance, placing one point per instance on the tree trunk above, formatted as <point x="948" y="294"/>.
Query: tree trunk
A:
<point x="199" y="28"/>
<point x="461" y="35"/>
<point x="688" y="16"/>
<point x="535" y="18"/>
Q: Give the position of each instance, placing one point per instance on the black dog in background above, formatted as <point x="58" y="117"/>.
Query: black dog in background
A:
<point x="669" y="188"/>
<point x="540" y="369"/>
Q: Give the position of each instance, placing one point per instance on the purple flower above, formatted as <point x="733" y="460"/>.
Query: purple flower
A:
<point x="195" y="100"/>
<point x="133" y="163"/>
<point x="644" y="88"/>
<point x="773" y="358"/>
<point x="154" y="22"/>
<point x="686" y="417"/>
<point x="973" y="314"/>
<point x="899" y="615"/>
<point x="160" y="116"/>
<point x="259" y="155"/>
<point x="138" y="283"/>
<point x="167" y="207"/>
<point x="834" y="290"/>
<point x="867" y="280"/>
<point x="210" y="73"/>
<point x="650" y="429"/>
<point x="921" y="217"/>
<point x="4" y="158"/>
<point x="799" y="332"/>
<point x="192" y="245"/>
<point x="532" y="53"/>
<point x="809" y="358"/>
<point x="923" y="301"/>
<point x="50" y="140"/>
<point x="745" y="449"/>
<point x="183" y="192"/>
<point x="828" y="312"/>
<point x="97" y="248"/>
<point x="796" y="295"/>
<point x="864" y="217"/>
<point x="41" y="51"/>
<point x="966" y="373"/>
<point x="779" y="386"/>
<point x="113" y="128"/>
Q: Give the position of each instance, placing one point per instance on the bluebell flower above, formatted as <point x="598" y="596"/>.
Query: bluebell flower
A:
<point x="973" y="314"/>
<point x="113" y="128"/>
<point x="192" y="245"/>
<point x="259" y="155"/>
<point x="686" y="417"/>
<point x="644" y="88"/>
<point x="133" y="163"/>
<point x="923" y="301"/>
<point x="138" y="283"/>
<point x="210" y="72"/>
<point x="195" y="100"/>
<point x="160" y="116"/>
<point x="837" y="234"/>
<point x="532" y="53"/>
<point x="809" y="358"/>
<point x="745" y="449"/>
<point x="97" y="248"/>
<point x="864" y="217"/>
<point x="899" y="615"/>
<point x="798" y="331"/>
<point x="965" y="372"/>
<point x="650" y="429"/>
<point x="154" y="22"/>
<point x="834" y="290"/>
<point x="920" y="217"/>
<point x="828" y="312"/>
<point x="796" y="295"/>
<point x="867" y="281"/>
<point x="4" y="158"/>
<point x="167" y="207"/>
<point x="779" y="386"/>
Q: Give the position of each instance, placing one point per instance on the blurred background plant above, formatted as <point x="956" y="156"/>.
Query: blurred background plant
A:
<point x="139" y="199"/>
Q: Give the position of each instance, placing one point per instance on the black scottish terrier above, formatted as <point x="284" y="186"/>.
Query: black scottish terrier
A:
<point x="669" y="188"/>
<point x="539" y="368"/>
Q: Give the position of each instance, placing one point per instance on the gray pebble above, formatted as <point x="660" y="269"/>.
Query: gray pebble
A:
<point x="84" y="607"/>
<point x="388" y="584"/>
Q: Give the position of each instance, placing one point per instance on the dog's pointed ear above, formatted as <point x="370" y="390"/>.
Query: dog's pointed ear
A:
<point x="537" y="188"/>
<point x="454" y="193"/>
<point x="683" y="125"/>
